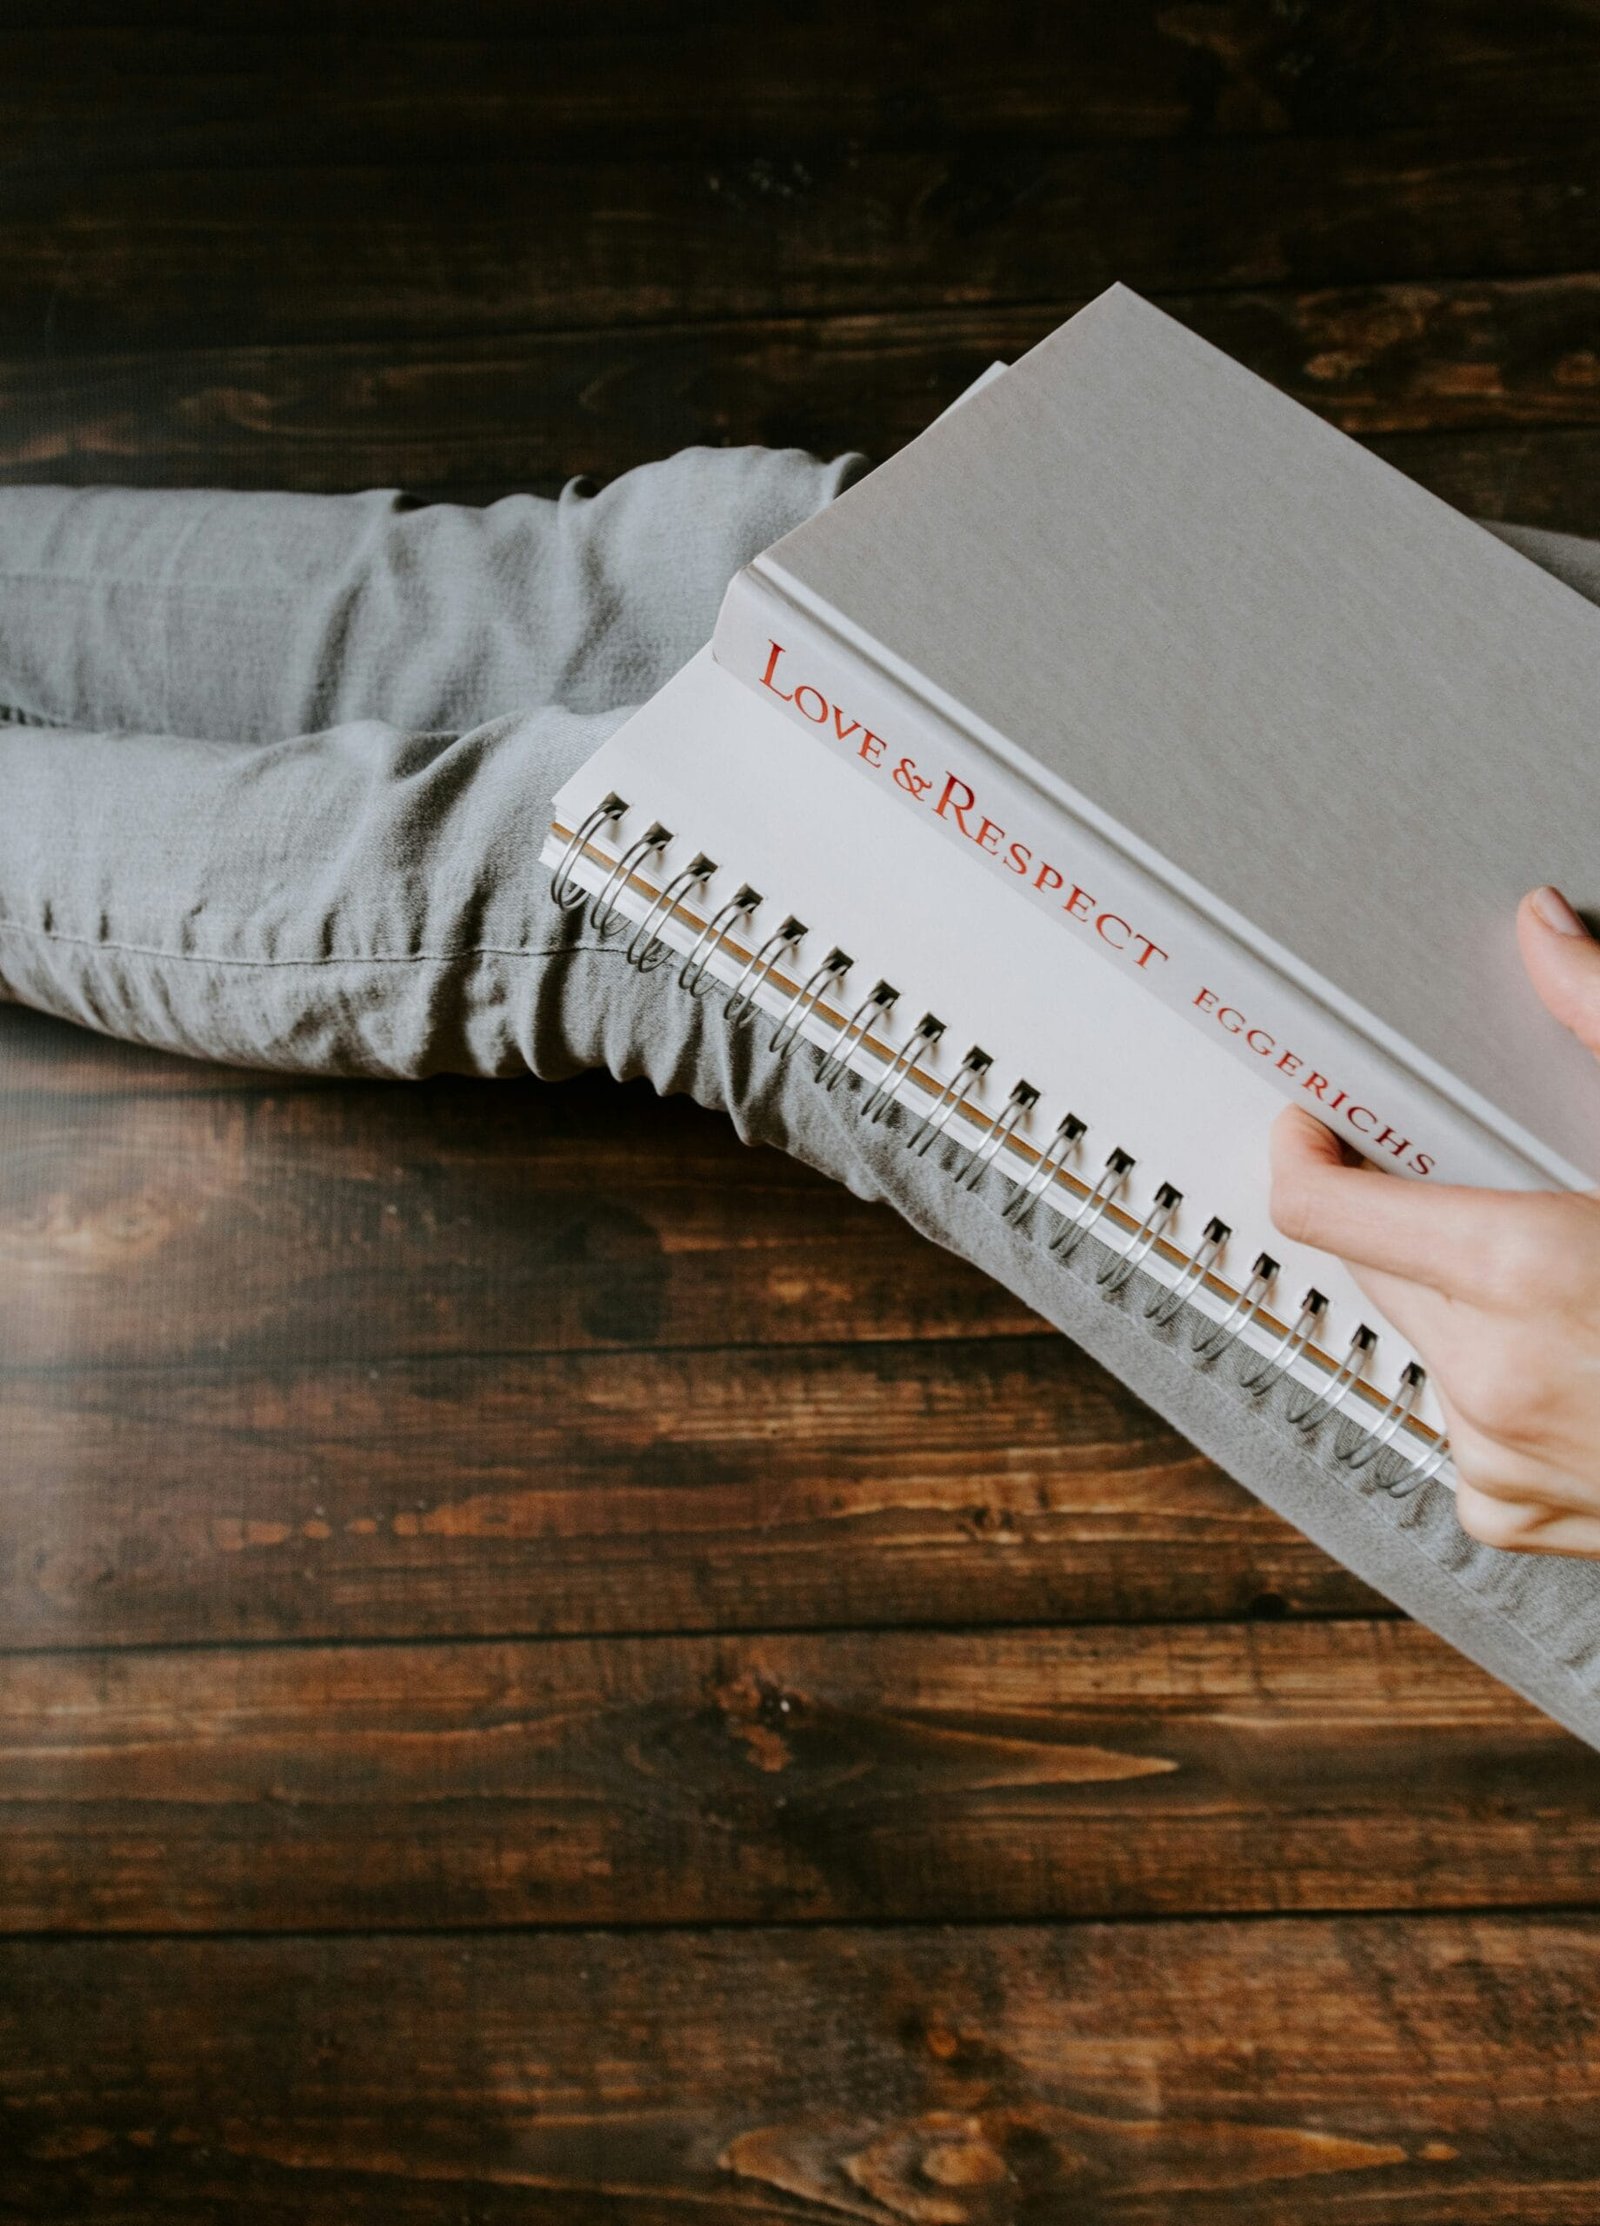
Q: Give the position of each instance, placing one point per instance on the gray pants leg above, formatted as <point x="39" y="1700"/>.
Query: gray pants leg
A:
<point x="274" y="776"/>
<point x="274" y="768"/>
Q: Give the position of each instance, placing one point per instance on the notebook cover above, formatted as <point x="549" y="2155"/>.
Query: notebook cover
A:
<point x="1346" y="720"/>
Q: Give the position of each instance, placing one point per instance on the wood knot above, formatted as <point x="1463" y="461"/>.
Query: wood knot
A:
<point x="760" y="1715"/>
<point x="941" y="2168"/>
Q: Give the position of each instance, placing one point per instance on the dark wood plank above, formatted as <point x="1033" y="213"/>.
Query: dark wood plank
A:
<point x="996" y="1480"/>
<point x="481" y="249"/>
<point x="1451" y="355"/>
<point x="42" y="1058"/>
<point x="286" y="1363"/>
<point x="1530" y="479"/>
<point x="1444" y="2071"/>
<point x="966" y="1776"/>
<point x="99" y="259"/>
<point x="294" y="1366"/>
<point x="314" y="1228"/>
<point x="1498" y="385"/>
<point x="499" y="74"/>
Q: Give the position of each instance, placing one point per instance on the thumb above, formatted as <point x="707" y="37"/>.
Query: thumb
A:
<point x="1563" y="962"/>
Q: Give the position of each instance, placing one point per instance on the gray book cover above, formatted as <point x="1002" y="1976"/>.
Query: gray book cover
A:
<point x="1349" y="723"/>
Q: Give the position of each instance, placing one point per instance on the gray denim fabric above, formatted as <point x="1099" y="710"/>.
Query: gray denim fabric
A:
<point x="274" y="775"/>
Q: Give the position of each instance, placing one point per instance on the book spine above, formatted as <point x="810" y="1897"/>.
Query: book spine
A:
<point x="796" y="662"/>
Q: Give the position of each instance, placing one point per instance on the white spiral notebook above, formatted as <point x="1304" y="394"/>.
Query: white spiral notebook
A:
<point x="1129" y="756"/>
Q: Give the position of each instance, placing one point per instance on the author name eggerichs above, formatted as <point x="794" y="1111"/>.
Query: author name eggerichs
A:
<point x="956" y="803"/>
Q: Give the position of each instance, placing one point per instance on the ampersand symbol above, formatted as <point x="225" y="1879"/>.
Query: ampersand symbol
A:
<point x="907" y="777"/>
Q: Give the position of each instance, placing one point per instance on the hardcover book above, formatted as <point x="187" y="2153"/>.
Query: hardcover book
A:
<point x="1130" y="755"/>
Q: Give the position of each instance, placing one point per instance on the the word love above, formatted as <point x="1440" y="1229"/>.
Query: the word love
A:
<point x="955" y="801"/>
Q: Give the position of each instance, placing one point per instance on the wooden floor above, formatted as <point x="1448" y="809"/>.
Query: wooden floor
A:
<point x="560" y="1669"/>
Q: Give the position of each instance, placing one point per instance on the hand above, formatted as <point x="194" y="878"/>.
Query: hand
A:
<point x="1498" y="1290"/>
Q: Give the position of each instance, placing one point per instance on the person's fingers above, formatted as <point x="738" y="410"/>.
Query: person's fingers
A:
<point x="1525" y="1526"/>
<point x="1429" y="1233"/>
<point x="1506" y="1500"/>
<point x="1499" y="1498"/>
<point x="1493" y="1469"/>
<point x="1422" y="1315"/>
<point x="1563" y="962"/>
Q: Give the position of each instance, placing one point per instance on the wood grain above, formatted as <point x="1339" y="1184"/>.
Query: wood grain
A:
<point x="1005" y="1774"/>
<point x="314" y="1228"/>
<point x="1469" y="380"/>
<point x="44" y="1061"/>
<point x="1533" y="479"/>
<point x="293" y="74"/>
<point x="96" y="259"/>
<point x="286" y="1363"/>
<point x="445" y="1368"/>
<point x="1443" y="2070"/>
<point x="1005" y="1478"/>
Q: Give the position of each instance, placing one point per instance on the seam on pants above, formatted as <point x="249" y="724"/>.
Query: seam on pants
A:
<point x="350" y="958"/>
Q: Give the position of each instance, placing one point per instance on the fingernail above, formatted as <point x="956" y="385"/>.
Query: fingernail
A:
<point x="1553" y="908"/>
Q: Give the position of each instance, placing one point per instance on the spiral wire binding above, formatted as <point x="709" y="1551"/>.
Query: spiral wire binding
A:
<point x="832" y="971"/>
<point x="1309" y="1410"/>
<point x="1358" y="1448"/>
<point x="1213" y="1339"/>
<point x="922" y="1040"/>
<point x="1164" y="1305"/>
<point x="562" y="887"/>
<point x="1076" y="1226"/>
<point x="1024" y="1097"/>
<point x="1119" y="1267"/>
<point x="646" y="949"/>
<point x="955" y="1092"/>
<point x="1413" y="1478"/>
<point x="606" y="914"/>
<point x="759" y="965"/>
<point x="876" y="1006"/>
<point x="740" y="906"/>
<point x="1260" y="1379"/>
<point x="1050" y="1163"/>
